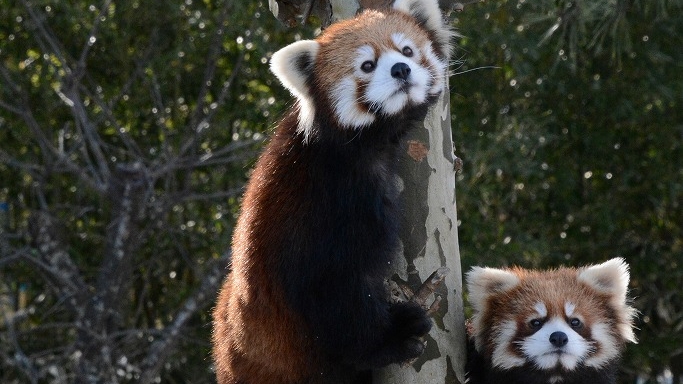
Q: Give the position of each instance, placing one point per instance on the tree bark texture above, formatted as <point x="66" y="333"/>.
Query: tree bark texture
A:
<point x="430" y="242"/>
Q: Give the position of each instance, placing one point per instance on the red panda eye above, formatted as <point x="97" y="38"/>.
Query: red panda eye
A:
<point x="407" y="51"/>
<point x="535" y="323"/>
<point x="367" y="66"/>
<point x="575" y="323"/>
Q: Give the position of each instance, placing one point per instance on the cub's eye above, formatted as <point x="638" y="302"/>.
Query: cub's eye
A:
<point x="575" y="323"/>
<point x="368" y="66"/>
<point x="536" y="323"/>
<point x="407" y="51"/>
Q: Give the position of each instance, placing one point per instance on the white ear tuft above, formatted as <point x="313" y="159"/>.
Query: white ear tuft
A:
<point x="428" y="14"/>
<point x="485" y="282"/>
<point x="610" y="277"/>
<point x="293" y="66"/>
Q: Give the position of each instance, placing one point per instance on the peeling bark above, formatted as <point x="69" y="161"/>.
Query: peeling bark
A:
<point x="430" y="243"/>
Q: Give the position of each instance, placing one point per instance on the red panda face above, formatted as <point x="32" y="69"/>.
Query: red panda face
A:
<point x="560" y="337"/>
<point x="377" y="65"/>
<point x="557" y="320"/>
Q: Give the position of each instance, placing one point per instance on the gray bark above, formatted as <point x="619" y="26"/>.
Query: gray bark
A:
<point x="430" y="241"/>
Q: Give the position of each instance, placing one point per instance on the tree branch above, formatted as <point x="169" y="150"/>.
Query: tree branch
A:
<point x="66" y="277"/>
<point x="70" y="84"/>
<point x="163" y="346"/>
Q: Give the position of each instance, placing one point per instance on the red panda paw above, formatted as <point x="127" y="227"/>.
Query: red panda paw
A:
<point x="412" y="349"/>
<point x="409" y="320"/>
<point x="410" y="323"/>
<point x="403" y="340"/>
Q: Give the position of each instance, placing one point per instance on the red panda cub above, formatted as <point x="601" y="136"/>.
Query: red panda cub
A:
<point x="305" y="300"/>
<point x="562" y="326"/>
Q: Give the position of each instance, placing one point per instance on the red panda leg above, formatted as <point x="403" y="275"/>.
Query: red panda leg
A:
<point x="254" y="346"/>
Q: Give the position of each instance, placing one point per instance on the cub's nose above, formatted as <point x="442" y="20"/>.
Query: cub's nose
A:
<point x="400" y="71"/>
<point x="559" y="339"/>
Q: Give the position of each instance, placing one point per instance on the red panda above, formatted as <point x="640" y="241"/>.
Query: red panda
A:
<point x="564" y="326"/>
<point x="305" y="300"/>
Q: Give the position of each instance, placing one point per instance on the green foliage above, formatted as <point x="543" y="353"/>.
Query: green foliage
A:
<point x="178" y="90"/>
<point x="572" y="148"/>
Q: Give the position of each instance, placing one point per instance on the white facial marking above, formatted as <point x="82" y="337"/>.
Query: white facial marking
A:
<point x="438" y="67"/>
<point x="502" y="357"/>
<point x="401" y="41"/>
<point x="345" y="98"/>
<point x="545" y="355"/>
<point x="541" y="310"/>
<point x="569" y="308"/>
<point x="365" y="53"/>
<point x="390" y="95"/>
<point x="345" y="104"/>
<point x="609" y="349"/>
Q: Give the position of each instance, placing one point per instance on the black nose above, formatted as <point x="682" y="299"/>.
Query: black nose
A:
<point x="559" y="339"/>
<point x="400" y="71"/>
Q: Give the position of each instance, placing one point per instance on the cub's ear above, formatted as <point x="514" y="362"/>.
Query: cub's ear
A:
<point x="483" y="283"/>
<point x="428" y="15"/>
<point x="293" y="66"/>
<point x="610" y="277"/>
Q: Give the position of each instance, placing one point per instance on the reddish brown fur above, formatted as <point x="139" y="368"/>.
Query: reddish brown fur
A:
<point x="552" y="288"/>
<point x="342" y="40"/>
<point x="272" y="325"/>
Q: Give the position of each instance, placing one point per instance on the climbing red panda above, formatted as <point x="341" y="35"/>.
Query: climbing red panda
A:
<point x="565" y="326"/>
<point x="305" y="301"/>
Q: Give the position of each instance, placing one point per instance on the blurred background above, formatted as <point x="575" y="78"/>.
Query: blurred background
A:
<point x="127" y="130"/>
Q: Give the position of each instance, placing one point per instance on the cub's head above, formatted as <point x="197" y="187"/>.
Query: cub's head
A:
<point x="556" y="321"/>
<point x="379" y="64"/>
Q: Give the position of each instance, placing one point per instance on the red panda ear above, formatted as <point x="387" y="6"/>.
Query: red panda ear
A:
<point x="483" y="283"/>
<point x="610" y="277"/>
<point x="428" y="15"/>
<point x="293" y="66"/>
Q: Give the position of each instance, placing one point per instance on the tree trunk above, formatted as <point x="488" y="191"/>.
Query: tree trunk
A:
<point x="430" y="241"/>
<point x="429" y="235"/>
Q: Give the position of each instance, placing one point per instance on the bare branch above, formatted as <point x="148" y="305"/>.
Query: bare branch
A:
<point x="46" y="36"/>
<point x="9" y="107"/>
<point x="81" y="64"/>
<point x="200" y="124"/>
<point x="30" y="168"/>
<point x="215" y="49"/>
<point x="19" y="358"/>
<point x="429" y="286"/>
<point x="71" y="83"/>
<point x="209" y="196"/>
<point x="161" y="348"/>
<point x="57" y="262"/>
<point x="102" y="313"/>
